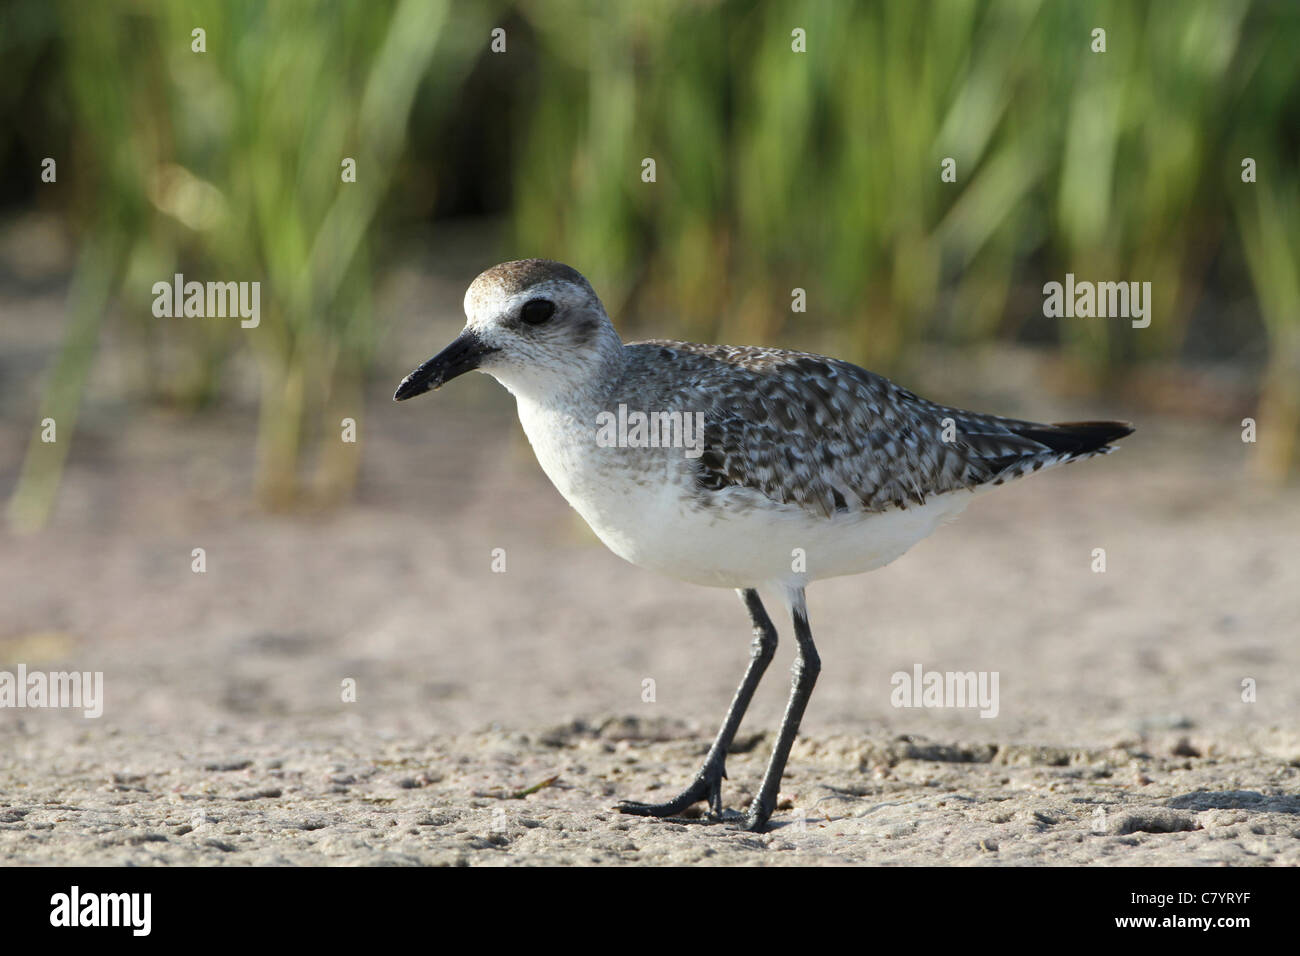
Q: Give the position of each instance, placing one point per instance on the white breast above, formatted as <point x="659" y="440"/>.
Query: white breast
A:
<point x="643" y="504"/>
<point x="622" y="493"/>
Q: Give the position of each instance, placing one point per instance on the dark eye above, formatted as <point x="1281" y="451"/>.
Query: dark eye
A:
<point x="537" y="311"/>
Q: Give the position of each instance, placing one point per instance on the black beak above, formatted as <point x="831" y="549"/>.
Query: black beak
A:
<point x="461" y="356"/>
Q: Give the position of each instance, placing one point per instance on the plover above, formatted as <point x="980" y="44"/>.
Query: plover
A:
<point x="807" y="467"/>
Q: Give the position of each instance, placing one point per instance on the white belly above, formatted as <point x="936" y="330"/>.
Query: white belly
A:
<point x="760" y="542"/>
<point x="642" y="505"/>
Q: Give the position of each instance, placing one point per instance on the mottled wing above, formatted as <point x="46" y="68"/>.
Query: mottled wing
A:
<point x="831" y="437"/>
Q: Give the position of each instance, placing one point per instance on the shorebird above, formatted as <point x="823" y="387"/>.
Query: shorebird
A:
<point x="806" y="467"/>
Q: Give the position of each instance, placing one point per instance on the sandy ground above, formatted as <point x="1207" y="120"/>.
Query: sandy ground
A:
<point x="1121" y="737"/>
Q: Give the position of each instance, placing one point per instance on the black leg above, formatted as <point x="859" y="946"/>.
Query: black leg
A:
<point x="707" y="784"/>
<point x="804" y="675"/>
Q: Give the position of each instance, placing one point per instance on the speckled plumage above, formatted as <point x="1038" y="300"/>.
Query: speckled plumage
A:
<point x="830" y="436"/>
<point x="797" y="467"/>
<point x="800" y="452"/>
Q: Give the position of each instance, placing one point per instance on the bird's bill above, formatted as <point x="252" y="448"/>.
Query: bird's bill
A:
<point x="461" y="356"/>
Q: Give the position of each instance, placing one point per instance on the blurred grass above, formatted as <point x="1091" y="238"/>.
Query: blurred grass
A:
<point x="821" y="170"/>
<point x="775" y="170"/>
<point x="225" y="164"/>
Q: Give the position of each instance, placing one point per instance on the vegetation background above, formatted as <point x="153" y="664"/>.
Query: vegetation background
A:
<point x="775" y="170"/>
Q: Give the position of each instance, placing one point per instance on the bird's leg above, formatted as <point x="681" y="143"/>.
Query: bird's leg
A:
<point x="804" y="675"/>
<point x="707" y="784"/>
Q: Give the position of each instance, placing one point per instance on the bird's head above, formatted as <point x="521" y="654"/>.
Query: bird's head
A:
<point x="534" y="325"/>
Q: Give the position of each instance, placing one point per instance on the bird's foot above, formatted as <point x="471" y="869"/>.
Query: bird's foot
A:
<point x="759" y="812"/>
<point x="707" y="785"/>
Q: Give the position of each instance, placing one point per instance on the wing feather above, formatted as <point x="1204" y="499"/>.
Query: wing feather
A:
<point x="832" y="437"/>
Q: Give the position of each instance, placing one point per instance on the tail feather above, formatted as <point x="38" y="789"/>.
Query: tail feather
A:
<point x="1054" y="445"/>
<point x="1077" y="437"/>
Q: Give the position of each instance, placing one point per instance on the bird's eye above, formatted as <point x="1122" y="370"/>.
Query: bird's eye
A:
<point x="537" y="311"/>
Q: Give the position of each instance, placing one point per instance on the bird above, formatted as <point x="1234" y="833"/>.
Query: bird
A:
<point x="770" y="468"/>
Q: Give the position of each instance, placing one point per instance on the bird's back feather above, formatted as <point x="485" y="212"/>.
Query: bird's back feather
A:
<point x="832" y="437"/>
